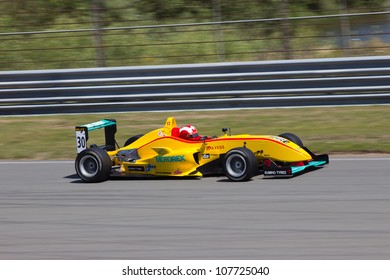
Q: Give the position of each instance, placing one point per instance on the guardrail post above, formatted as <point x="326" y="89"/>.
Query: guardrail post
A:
<point x="217" y="17"/>
<point x="345" y="28"/>
<point x="97" y="32"/>
<point x="286" y="30"/>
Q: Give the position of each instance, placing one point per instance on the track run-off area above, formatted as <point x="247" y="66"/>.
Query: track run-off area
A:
<point x="337" y="212"/>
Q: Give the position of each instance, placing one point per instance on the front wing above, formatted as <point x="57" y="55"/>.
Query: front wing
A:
<point x="273" y="169"/>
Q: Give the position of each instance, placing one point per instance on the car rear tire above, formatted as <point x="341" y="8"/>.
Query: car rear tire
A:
<point x="93" y="165"/>
<point x="132" y="139"/>
<point x="293" y="138"/>
<point x="240" y="164"/>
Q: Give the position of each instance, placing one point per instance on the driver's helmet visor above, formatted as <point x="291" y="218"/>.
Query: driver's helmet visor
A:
<point x="193" y="135"/>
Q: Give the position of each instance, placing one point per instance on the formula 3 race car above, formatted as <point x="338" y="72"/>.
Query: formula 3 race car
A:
<point x="162" y="152"/>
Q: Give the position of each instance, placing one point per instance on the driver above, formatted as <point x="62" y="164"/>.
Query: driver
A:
<point x="189" y="132"/>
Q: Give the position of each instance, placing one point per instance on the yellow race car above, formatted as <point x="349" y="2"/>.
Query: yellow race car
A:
<point x="178" y="152"/>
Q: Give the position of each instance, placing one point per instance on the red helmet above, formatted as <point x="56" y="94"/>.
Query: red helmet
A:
<point x="189" y="132"/>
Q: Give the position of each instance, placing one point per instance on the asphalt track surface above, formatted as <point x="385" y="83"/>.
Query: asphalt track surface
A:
<point x="339" y="212"/>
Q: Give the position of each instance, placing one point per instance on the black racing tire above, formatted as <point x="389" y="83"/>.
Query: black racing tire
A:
<point x="93" y="165"/>
<point x="240" y="164"/>
<point x="293" y="138"/>
<point x="132" y="139"/>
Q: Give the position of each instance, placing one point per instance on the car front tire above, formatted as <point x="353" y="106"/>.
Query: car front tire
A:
<point x="293" y="138"/>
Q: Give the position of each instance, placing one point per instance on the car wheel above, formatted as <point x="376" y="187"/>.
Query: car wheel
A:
<point x="240" y="164"/>
<point x="293" y="138"/>
<point x="132" y="139"/>
<point x="93" y="165"/>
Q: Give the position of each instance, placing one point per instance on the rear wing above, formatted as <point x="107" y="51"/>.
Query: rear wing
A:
<point x="109" y="132"/>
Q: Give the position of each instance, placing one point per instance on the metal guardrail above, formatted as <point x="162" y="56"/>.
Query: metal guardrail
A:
<point x="288" y="83"/>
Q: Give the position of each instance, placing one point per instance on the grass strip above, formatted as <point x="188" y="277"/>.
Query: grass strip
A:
<point x="357" y="129"/>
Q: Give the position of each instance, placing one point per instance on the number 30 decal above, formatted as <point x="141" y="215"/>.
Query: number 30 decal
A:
<point x="81" y="140"/>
